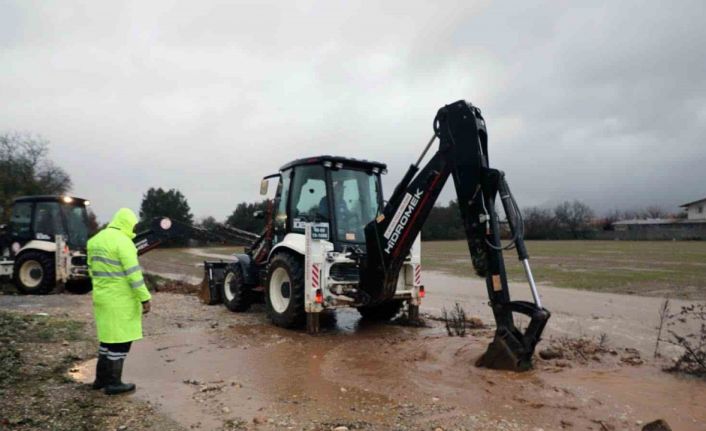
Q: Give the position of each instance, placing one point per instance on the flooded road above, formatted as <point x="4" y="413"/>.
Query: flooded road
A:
<point x="374" y="376"/>
<point x="627" y="320"/>
<point x="208" y="368"/>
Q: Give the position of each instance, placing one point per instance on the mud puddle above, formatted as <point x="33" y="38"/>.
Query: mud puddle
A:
<point x="246" y="373"/>
<point x="627" y="321"/>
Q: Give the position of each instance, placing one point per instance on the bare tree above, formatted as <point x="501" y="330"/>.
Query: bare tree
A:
<point x="574" y="216"/>
<point x="654" y="211"/>
<point x="539" y="223"/>
<point x="610" y="218"/>
<point x="26" y="170"/>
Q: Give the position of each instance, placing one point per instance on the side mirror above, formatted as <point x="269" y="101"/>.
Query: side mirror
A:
<point x="259" y="214"/>
<point x="263" y="186"/>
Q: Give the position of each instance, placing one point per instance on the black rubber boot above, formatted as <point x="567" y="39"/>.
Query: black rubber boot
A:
<point x="115" y="383"/>
<point x="102" y="372"/>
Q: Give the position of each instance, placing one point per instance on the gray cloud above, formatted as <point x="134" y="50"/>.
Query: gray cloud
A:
<point x="600" y="102"/>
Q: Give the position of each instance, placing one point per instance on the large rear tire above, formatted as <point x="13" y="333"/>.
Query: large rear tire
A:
<point x="34" y="273"/>
<point x="284" y="291"/>
<point x="236" y="296"/>
<point x="381" y="312"/>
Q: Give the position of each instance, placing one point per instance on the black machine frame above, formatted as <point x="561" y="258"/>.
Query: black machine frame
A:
<point x="463" y="155"/>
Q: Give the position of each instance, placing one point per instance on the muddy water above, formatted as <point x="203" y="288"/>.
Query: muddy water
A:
<point x="387" y="377"/>
<point x="627" y="320"/>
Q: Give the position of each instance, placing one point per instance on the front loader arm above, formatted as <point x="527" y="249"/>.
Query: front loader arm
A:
<point x="463" y="155"/>
<point x="164" y="228"/>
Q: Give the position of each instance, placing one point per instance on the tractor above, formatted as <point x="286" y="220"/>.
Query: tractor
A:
<point x="331" y="241"/>
<point x="44" y="244"/>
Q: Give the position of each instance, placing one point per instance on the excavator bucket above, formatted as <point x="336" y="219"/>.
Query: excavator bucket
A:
<point x="511" y="349"/>
<point x="500" y="356"/>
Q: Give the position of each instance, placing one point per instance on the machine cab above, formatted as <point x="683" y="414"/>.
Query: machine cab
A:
<point x="337" y="196"/>
<point x="42" y="218"/>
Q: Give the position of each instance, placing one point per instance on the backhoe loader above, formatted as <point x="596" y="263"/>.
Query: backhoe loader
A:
<point x="331" y="241"/>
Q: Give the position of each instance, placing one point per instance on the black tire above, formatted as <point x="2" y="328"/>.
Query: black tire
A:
<point x="235" y="294"/>
<point x="37" y="266"/>
<point x="381" y="312"/>
<point x="292" y="314"/>
<point x="79" y="287"/>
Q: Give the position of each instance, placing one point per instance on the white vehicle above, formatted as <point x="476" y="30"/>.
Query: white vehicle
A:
<point x="309" y="259"/>
<point x="44" y="244"/>
<point x="331" y="242"/>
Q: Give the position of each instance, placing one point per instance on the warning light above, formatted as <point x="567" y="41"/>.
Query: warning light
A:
<point x="67" y="199"/>
<point x="319" y="297"/>
<point x="422" y="292"/>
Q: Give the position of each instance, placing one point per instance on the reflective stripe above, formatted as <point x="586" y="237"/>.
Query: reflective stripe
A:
<point x="108" y="274"/>
<point x="116" y="355"/>
<point x="136" y="284"/>
<point x="133" y="269"/>
<point x="105" y="260"/>
<point x="116" y="273"/>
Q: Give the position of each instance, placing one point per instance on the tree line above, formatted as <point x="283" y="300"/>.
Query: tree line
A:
<point x="567" y="220"/>
<point x="25" y="169"/>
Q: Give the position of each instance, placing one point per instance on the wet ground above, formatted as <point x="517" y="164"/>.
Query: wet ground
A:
<point x="627" y="320"/>
<point x="207" y="368"/>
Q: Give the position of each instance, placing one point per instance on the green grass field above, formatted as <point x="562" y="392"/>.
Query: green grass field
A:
<point x="654" y="268"/>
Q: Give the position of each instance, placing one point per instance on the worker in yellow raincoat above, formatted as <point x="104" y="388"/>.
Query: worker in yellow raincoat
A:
<point x="120" y="297"/>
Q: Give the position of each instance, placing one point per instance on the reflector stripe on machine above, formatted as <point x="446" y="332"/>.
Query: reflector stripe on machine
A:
<point x="315" y="276"/>
<point x="417" y="274"/>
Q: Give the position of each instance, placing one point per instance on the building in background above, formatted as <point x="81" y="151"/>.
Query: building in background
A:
<point x="693" y="227"/>
<point x="695" y="210"/>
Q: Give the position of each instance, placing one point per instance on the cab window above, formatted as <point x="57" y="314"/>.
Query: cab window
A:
<point x="309" y="202"/>
<point x="47" y="220"/>
<point x="281" y="197"/>
<point x="20" y="220"/>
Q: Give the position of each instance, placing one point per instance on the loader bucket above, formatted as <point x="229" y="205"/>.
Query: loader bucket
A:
<point x="511" y="349"/>
<point x="500" y="356"/>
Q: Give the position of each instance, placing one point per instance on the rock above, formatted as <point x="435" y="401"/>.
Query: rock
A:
<point x="631" y="357"/>
<point x="658" y="425"/>
<point x="434" y="399"/>
<point x="225" y="410"/>
<point x="122" y="427"/>
<point x="341" y="428"/>
<point x="550" y="353"/>
<point x="64" y="343"/>
<point x="438" y="429"/>
<point x="344" y="390"/>
<point x="259" y="420"/>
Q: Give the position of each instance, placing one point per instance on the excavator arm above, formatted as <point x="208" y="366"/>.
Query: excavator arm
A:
<point x="463" y="155"/>
<point x="164" y="228"/>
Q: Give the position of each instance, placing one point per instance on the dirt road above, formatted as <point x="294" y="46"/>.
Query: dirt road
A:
<point x="627" y="320"/>
<point x="207" y="368"/>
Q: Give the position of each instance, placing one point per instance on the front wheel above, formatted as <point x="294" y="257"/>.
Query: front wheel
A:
<point x="235" y="294"/>
<point x="284" y="294"/>
<point x="34" y="273"/>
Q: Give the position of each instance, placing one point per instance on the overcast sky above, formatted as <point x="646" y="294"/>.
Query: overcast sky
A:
<point x="600" y="102"/>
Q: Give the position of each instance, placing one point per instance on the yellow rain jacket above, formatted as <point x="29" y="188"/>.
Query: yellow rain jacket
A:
<point x="118" y="286"/>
